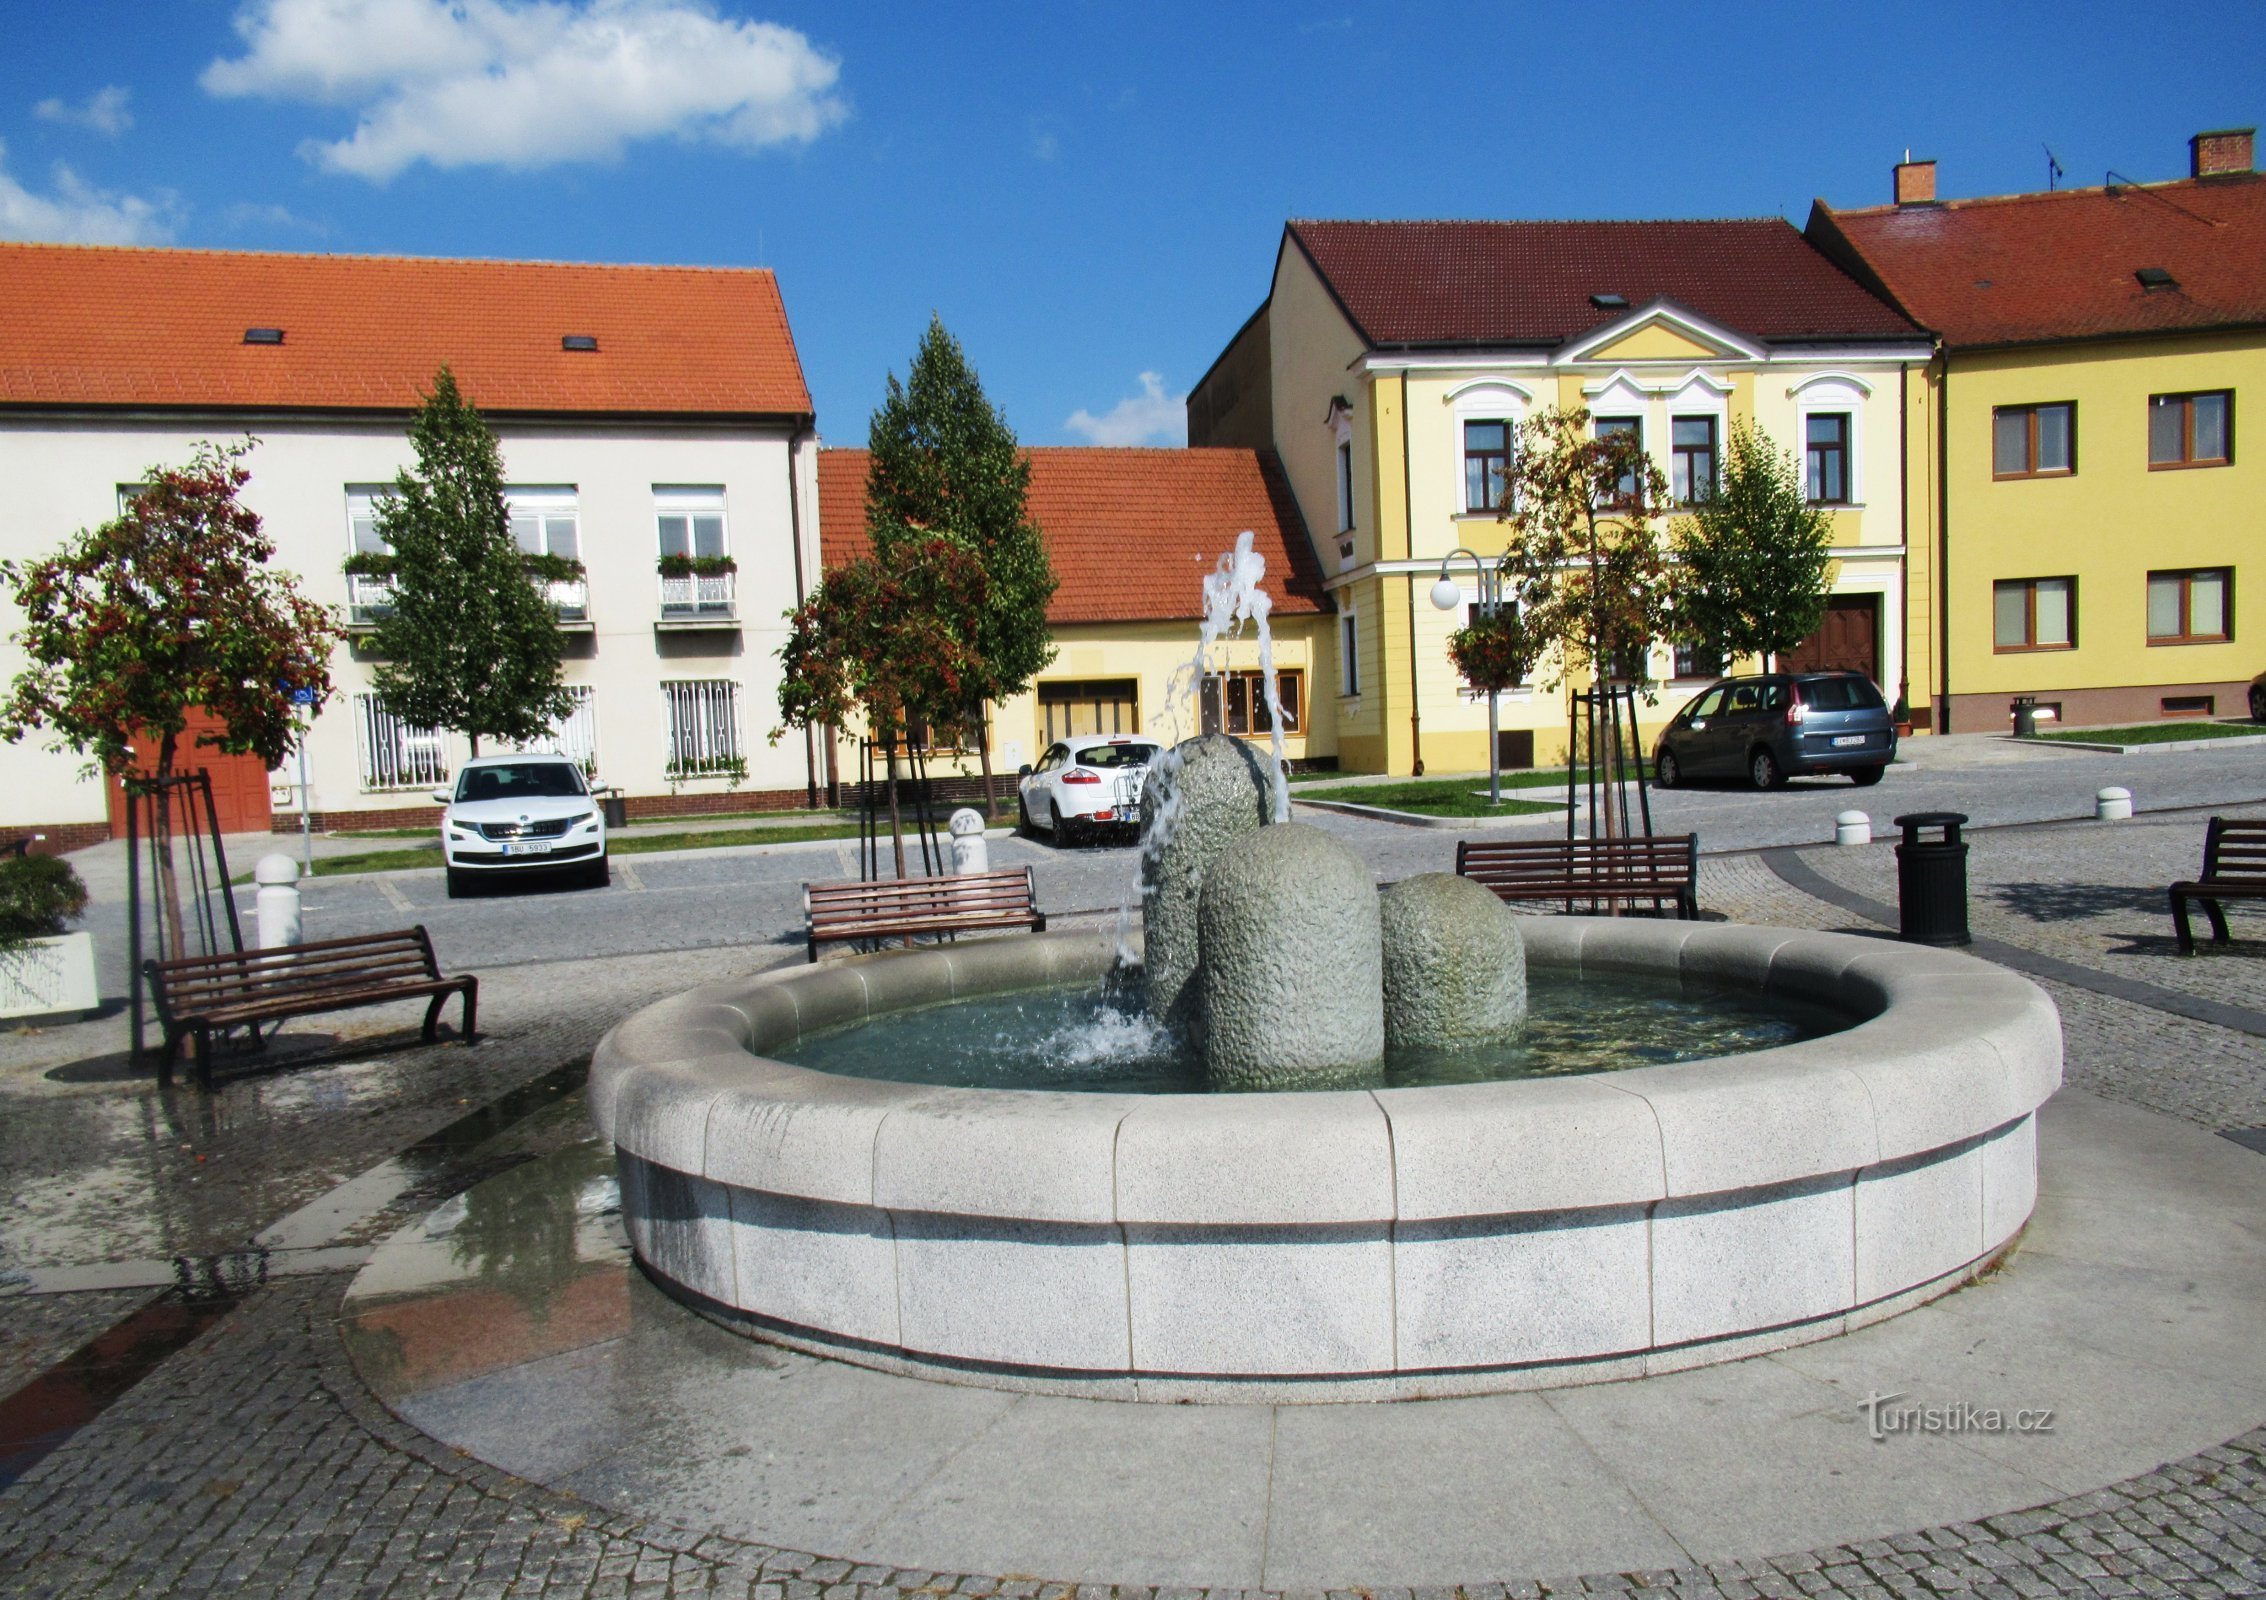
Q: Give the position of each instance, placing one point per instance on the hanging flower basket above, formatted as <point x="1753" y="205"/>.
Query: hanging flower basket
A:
<point x="697" y="566"/>
<point x="1494" y="652"/>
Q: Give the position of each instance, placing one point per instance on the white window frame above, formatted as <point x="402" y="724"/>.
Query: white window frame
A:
<point x="1833" y="394"/>
<point x="1349" y="653"/>
<point x="549" y="505"/>
<point x="574" y="735"/>
<point x="393" y="755"/>
<point x="710" y="715"/>
<point x="362" y="500"/>
<point x="1699" y="396"/>
<point x="1482" y="400"/>
<point x="689" y="500"/>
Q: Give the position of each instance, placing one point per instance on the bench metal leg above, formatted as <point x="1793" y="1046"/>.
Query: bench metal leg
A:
<point x="471" y="1010"/>
<point x="203" y="1035"/>
<point x="2179" y="924"/>
<point x="2218" y="915"/>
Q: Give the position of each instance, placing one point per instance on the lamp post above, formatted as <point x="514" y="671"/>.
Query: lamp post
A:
<point x="1446" y="596"/>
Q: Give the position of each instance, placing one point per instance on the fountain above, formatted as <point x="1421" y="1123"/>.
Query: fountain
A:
<point x="1306" y="1214"/>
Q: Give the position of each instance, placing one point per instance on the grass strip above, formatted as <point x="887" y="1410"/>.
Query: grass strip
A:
<point x="1454" y="797"/>
<point x="2154" y="733"/>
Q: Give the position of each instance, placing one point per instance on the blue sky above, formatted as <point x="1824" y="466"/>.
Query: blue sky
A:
<point x="1090" y="195"/>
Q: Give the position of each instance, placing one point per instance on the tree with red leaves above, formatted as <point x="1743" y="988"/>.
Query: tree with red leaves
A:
<point x="169" y="607"/>
<point x="885" y="639"/>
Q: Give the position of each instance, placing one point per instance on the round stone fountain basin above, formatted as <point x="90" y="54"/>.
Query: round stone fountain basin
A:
<point x="1337" y="1244"/>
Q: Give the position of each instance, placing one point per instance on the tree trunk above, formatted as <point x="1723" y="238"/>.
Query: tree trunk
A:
<point x="983" y="749"/>
<point x="475" y="738"/>
<point x="896" y="828"/>
<point x="161" y="833"/>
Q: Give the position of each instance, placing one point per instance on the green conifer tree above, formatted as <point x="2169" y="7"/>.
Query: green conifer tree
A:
<point x="944" y="462"/>
<point x="1754" y="558"/>
<point x="471" y="643"/>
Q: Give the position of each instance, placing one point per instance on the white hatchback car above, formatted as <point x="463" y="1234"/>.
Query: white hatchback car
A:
<point x="1083" y="785"/>
<point x="517" y="813"/>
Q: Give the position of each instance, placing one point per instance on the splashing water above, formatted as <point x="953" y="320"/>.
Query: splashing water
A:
<point x="1233" y="598"/>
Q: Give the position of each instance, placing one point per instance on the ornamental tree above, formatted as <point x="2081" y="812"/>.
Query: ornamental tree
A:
<point x="1585" y="562"/>
<point x="170" y="606"/>
<point x="943" y="462"/>
<point x="884" y="638"/>
<point x="1752" y="562"/>
<point x="471" y="643"/>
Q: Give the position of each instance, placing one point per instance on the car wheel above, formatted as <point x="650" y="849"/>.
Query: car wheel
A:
<point x="600" y="873"/>
<point x="1667" y="772"/>
<point x="1059" y="826"/>
<point x="459" y="885"/>
<point x="1023" y="817"/>
<point x="1866" y="777"/>
<point x="2258" y="705"/>
<point x="1763" y="770"/>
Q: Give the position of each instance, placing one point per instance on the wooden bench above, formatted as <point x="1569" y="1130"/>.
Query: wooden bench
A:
<point x="1660" y="868"/>
<point x="2234" y="868"/>
<point x="902" y="907"/>
<point x="196" y="994"/>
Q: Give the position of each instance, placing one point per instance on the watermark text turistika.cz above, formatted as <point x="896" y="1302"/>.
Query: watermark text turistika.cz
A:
<point x="1884" y="1417"/>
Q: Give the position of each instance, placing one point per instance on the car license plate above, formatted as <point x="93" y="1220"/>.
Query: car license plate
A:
<point x="1843" y="741"/>
<point x="529" y="847"/>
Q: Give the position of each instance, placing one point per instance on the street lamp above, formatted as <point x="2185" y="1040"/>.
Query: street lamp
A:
<point x="1446" y="596"/>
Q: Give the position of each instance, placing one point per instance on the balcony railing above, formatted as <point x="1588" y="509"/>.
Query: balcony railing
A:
<point x="368" y="600"/>
<point x="697" y="597"/>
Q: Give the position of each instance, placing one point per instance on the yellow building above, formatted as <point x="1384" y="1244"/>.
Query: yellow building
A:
<point x="1132" y="535"/>
<point x="1391" y="359"/>
<point x="2085" y="458"/>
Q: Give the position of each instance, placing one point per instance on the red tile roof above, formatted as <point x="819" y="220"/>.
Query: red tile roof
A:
<point x="2027" y="268"/>
<point x="97" y="326"/>
<point x="1529" y="283"/>
<point x="1131" y="532"/>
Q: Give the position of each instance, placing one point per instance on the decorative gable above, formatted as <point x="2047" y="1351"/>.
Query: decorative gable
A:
<point x="1660" y="331"/>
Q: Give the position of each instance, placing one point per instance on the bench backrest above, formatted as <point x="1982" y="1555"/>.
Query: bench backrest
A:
<point x="195" y="983"/>
<point x="2234" y="849"/>
<point x="1649" y="858"/>
<point x="1004" y="893"/>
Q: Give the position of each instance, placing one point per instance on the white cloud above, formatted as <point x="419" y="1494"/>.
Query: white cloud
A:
<point x="104" y="112"/>
<point x="79" y="213"/>
<point x="528" y="83"/>
<point x="1150" y="417"/>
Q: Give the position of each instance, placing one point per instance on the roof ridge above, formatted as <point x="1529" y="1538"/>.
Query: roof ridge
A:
<point x="2028" y="196"/>
<point x="213" y="251"/>
<point x="1533" y="222"/>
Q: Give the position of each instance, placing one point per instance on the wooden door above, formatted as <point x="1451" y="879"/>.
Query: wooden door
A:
<point x="240" y="796"/>
<point x="1848" y="640"/>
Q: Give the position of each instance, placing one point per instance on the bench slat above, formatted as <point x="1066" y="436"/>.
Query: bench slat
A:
<point x="902" y="907"/>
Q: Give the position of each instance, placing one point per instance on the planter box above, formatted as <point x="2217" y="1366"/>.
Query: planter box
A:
<point x="49" y="975"/>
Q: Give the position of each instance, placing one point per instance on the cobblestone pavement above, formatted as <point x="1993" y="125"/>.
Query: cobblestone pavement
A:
<point x="253" y="1462"/>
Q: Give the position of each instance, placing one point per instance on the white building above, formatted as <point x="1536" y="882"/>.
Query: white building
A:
<point x="643" y="412"/>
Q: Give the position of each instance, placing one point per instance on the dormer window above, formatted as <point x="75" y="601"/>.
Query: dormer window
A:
<point x="1610" y="302"/>
<point x="2156" y="278"/>
<point x="263" y="336"/>
<point x="578" y="341"/>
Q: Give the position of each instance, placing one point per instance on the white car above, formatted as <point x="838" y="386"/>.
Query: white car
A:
<point x="1082" y="785"/>
<point x="514" y="814"/>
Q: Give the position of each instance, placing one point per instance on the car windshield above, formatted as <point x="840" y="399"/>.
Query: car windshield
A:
<point x="1840" y="694"/>
<point x="1117" y="755"/>
<point x="520" y="780"/>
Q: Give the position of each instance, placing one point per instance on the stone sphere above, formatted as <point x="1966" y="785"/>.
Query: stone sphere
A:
<point x="1455" y="965"/>
<point x="1292" y="970"/>
<point x="1200" y="797"/>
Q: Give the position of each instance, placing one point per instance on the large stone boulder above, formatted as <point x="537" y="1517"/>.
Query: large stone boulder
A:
<point x="1455" y="965"/>
<point x="1200" y="797"/>
<point x="1292" y="968"/>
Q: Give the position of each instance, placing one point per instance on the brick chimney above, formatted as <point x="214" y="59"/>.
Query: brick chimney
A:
<point x="2212" y="155"/>
<point x="1916" y="181"/>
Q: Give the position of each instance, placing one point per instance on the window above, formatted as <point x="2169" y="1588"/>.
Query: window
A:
<point x="1607" y="427"/>
<point x="1349" y="654"/>
<point x="2191" y="430"/>
<point x="691" y="521"/>
<point x="703" y="717"/>
<point x="2189" y="607"/>
<point x="1825" y="436"/>
<point x="1236" y="702"/>
<point x="544" y="522"/>
<point x="362" y="517"/>
<point x="1072" y="706"/>
<point x="574" y="735"/>
<point x="1693" y="472"/>
<point x="1486" y="464"/>
<point x="2033" y="441"/>
<point x="2034" y="614"/>
<point x="394" y="754"/>
<point x="1629" y="663"/>
<point x="1345" y="486"/>
<point x="1699" y="661"/>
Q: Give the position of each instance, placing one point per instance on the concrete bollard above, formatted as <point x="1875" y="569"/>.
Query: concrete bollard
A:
<point x="1852" y="827"/>
<point x="2113" y="805"/>
<point x="278" y="900"/>
<point x="971" y="852"/>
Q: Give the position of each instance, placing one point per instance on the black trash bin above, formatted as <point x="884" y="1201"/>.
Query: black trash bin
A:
<point x="1931" y="879"/>
<point x="616" y="807"/>
<point x="2026" y="716"/>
